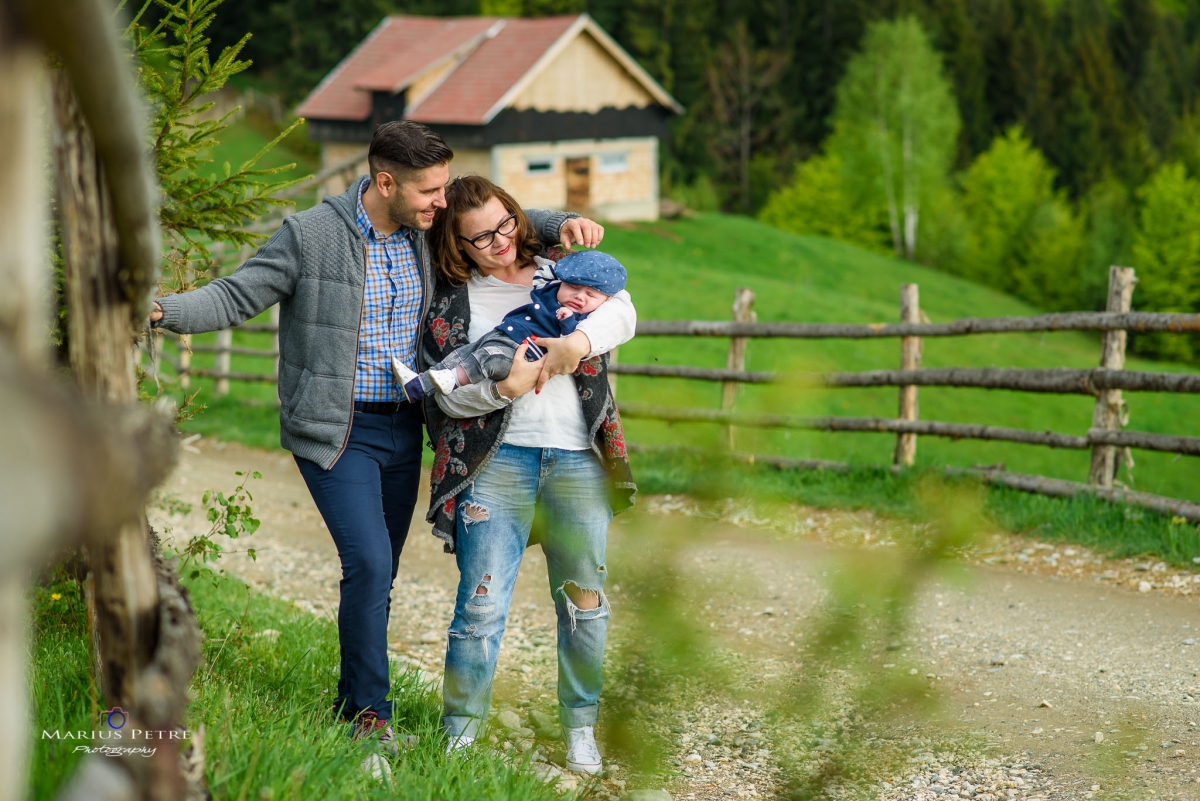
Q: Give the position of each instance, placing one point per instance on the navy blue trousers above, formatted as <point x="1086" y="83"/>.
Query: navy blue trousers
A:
<point x="367" y="500"/>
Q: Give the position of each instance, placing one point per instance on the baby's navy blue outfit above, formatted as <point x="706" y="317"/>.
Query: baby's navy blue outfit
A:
<point x="538" y="319"/>
<point x="491" y="355"/>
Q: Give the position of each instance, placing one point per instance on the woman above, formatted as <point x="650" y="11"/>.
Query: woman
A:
<point x="503" y="452"/>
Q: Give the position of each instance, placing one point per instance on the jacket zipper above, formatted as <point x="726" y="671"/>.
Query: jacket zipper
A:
<point x="357" y="344"/>
<point x="426" y="302"/>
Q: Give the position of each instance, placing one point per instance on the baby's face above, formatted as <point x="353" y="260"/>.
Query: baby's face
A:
<point x="580" y="299"/>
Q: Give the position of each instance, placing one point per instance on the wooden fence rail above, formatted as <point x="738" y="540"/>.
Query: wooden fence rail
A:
<point x="1140" y="322"/>
<point x="1105" y="383"/>
<point x="1058" y="380"/>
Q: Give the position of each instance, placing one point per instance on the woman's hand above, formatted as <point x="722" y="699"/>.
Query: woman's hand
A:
<point x="522" y="376"/>
<point x="580" y="231"/>
<point x="562" y="355"/>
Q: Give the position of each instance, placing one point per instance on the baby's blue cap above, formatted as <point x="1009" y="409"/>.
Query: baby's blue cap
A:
<point x="592" y="268"/>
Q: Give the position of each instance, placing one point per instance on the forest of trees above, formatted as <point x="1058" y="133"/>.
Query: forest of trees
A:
<point x="1029" y="143"/>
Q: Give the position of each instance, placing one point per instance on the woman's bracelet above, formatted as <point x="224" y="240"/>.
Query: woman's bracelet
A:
<point x="496" y="394"/>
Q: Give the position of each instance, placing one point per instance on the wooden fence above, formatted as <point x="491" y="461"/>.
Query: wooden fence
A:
<point x="1105" y="437"/>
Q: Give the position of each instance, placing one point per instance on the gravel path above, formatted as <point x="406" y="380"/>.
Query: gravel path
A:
<point x="1060" y="674"/>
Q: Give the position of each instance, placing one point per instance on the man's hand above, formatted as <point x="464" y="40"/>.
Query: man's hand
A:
<point x="580" y="231"/>
<point x="156" y="313"/>
<point x="562" y="355"/>
<point x="522" y="376"/>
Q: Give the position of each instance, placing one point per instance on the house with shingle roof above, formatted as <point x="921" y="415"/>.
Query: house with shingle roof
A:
<point x="552" y="109"/>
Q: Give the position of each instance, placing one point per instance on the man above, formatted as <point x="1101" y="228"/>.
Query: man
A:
<point x="353" y="279"/>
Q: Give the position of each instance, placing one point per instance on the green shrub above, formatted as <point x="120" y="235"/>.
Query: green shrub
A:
<point x="1166" y="253"/>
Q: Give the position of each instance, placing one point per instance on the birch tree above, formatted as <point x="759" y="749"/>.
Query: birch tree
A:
<point x="896" y="125"/>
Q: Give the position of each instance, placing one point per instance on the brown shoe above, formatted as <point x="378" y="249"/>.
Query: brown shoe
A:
<point x="368" y="726"/>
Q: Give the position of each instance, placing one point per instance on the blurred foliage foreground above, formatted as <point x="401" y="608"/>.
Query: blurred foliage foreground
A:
<point x="848" y="673"/>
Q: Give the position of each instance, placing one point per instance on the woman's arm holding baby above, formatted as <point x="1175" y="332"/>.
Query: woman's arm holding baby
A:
<point x="487" y="396"/>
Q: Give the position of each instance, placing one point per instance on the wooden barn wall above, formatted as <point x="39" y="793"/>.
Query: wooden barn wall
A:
<point x="631" y="194"/>
<point x="585" y="78"/>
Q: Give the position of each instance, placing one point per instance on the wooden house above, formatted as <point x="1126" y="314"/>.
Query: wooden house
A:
<point x="552" y="109"/>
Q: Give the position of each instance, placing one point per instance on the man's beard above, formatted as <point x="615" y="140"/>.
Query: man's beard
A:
<point x="401" y="215"/>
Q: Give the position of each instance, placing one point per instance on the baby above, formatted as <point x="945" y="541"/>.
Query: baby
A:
<point x="585" y="280"/>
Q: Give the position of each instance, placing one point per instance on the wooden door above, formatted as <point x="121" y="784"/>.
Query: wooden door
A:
<point x="579" y="185"/>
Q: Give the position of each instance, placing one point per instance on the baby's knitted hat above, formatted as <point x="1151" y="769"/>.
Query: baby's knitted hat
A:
<point x="592" y="268"/>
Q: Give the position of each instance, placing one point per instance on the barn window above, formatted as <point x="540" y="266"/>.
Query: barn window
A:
<point x="539" y="166"/>
<point x="614" y="162"/>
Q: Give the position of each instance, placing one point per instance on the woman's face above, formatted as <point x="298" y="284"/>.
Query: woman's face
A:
<point x="502" y="252"/>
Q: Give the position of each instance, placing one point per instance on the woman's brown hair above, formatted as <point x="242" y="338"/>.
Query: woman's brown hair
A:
<point x="464" y="194"/>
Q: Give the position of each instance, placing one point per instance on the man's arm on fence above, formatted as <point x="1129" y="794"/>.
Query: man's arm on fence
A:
<point x="264" y="280"/>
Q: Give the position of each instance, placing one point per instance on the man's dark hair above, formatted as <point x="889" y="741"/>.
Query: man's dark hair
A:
<point x="402" y="147"/>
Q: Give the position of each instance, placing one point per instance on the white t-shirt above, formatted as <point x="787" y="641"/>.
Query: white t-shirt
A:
<point x="552" y="418"/>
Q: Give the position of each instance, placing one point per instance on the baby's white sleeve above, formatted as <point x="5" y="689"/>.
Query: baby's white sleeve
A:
<point x="611" y="325"/>
<point x="472" y="400"/>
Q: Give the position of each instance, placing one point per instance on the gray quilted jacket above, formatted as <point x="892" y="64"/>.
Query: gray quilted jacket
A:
<point x="314" y="267"/>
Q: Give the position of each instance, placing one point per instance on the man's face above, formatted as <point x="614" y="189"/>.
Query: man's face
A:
<point x="413" y="203"/>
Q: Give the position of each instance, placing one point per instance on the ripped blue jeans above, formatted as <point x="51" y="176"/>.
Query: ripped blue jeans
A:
<point x="570" y="492"/>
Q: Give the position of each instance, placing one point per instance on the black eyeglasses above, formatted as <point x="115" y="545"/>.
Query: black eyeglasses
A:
<point x="485" y="240"/>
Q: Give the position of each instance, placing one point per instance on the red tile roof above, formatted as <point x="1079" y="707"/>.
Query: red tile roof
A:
<point x="401" y="48"/>
<point x="472" y="91"/>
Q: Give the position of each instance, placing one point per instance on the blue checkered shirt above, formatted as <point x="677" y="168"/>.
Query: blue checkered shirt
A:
<point x="391" y="316"/>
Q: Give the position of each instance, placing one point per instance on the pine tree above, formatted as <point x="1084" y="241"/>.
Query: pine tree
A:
<point x="200" y="205"/>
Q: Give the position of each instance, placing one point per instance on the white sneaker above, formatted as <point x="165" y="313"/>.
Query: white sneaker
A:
<point x="460" y="743"/>
<point x="401" y="372"/>
<point x="444" y="380"/>
<point x="582" y="754"/>
<point x="376" y="767"/>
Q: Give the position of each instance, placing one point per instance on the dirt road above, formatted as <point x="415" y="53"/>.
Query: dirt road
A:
<point x="1049" y="657"/>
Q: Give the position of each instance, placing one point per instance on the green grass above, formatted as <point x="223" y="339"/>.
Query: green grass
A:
<point x="266" y="706"/>
<point x="61" y="689"/>
<point x="689" y="269"/>
<point x="245" y="137"/>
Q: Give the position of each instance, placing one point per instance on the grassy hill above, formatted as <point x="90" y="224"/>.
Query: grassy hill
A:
<point x="688" y="269"/>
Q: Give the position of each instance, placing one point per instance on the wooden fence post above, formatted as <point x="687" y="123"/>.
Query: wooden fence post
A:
<point x="612" y="376"/>
<point x="910" y="359"/>
<point x="185" y="342"/>
<point x="1107" y="414"/>
<point x="221" y="362"/>
<point x="743" y="312"/>
<point x="273" y="316"/>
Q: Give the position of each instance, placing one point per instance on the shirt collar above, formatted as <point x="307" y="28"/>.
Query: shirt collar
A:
<point x="364" y="222"/>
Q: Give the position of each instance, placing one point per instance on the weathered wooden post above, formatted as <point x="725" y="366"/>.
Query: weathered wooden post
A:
<point x="273" y="316"/>
<point x="185" y="341"/>
<point x="910" y="359"/>
<point x="22" y="325"/>
<point x="1108" y="412"/>
<point x="743" y="312"/>
<point x="221" y="362"/>
<point x="612" y="377"/>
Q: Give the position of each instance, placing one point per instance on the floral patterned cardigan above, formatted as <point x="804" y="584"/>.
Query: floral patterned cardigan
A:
<point x="463" y="447"/>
